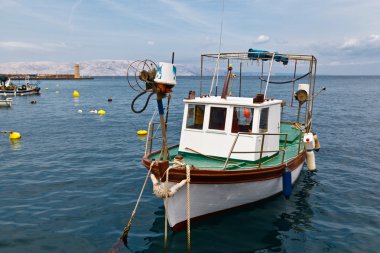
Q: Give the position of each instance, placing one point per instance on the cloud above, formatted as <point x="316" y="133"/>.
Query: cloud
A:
<point x="350" y="43"/>
<point x="150" y="42"/>
<point x="73" y="9"/>
<point x="20" y="45"/>
<point x="371" y="41"/>
<point x="262" y="39"/>
<point x="373" y="38"/>
<point x="132" y="12"/>
<point x="352" y="51"/>
<point x="186" y="13"/>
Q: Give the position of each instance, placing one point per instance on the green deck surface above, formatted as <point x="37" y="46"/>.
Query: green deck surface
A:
<point x="293" y="133"/>
<point x="217" y="163"/>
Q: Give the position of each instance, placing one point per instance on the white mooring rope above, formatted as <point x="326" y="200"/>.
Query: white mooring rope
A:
<point x="167" y="193"/>
<point x="188" y="167"/>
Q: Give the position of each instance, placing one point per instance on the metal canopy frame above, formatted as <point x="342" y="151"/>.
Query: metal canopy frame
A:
<point x="269" y="56"/>
<point x="244" y="56"/>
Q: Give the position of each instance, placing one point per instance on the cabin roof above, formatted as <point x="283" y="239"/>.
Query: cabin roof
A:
<point x="239" y="101"/>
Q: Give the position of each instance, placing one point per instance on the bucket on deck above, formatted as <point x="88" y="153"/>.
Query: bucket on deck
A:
<point x="166" y="74"/>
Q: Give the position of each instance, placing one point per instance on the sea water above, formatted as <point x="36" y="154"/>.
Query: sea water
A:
<point x="71" y="183"/>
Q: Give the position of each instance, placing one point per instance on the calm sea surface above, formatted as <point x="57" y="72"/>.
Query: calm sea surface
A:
<point x="72" y="181"/>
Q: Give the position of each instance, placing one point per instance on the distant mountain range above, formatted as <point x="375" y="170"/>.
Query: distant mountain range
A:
<point x="87" y="68"/>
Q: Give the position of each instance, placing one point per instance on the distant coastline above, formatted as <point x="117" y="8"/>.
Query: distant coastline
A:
<point x="46" y="77"/>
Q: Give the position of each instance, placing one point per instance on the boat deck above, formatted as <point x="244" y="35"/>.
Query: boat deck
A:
<point x="202" y="161"/>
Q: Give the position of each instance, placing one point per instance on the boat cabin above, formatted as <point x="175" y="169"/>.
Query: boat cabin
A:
<point x="211" y="125"/>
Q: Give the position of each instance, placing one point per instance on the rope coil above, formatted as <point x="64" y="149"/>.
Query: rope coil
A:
<point x="163" y="190"/>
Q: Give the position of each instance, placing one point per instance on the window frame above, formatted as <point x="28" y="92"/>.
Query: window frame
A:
<point x="224" y="130"/>
<point x="264" y="130"/>
<point x="187" y="116"/>
<point x="251" y="122"/>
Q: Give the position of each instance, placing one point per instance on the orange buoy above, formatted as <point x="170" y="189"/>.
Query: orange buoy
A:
<point x="247" y="113"/>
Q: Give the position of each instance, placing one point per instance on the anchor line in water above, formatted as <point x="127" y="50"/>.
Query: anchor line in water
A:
<point x="123" y="239"/>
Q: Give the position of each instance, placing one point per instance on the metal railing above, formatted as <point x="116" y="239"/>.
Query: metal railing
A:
<point x="283" y="149"/>
<point x="150" y="137"/>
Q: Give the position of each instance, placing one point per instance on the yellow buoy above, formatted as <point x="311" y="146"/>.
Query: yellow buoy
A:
<point x="46" y="88"/>
<point x="76" y="94"/>
<point x="101" y="112"/>
<point x="14" y="135"/>
<point x="142" y="132"/>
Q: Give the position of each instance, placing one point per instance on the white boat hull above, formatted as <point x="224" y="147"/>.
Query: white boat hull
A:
<point x="210" y="198"/>
<point x="6" y="102"/>
<point x="33" y="91"/>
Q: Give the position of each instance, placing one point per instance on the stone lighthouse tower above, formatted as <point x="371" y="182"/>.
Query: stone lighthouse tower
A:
<point x="76" y="71"/>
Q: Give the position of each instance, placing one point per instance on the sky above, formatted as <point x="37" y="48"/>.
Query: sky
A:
<point x="344" y="35"/>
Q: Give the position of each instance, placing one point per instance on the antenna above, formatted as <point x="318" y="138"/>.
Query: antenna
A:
<point x="216" y="71"/>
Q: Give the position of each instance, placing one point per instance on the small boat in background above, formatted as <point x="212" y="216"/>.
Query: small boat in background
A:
<point x="9" y="88"/>
<point x="5" y="101"/>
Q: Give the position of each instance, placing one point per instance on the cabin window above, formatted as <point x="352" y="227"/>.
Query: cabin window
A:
<point x="217" y="118"/>
<point x="195" y="116"/>
<point x="263" y="126"/>
<point x="242" y="119"/>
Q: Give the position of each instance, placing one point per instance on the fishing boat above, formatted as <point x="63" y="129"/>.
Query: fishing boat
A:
<point x="234" y="149"/>
<point x="5" y="101"/>
<point x="9" y="88"/>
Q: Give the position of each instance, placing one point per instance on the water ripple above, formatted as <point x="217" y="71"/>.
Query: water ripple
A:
<point x="71" y="183"/>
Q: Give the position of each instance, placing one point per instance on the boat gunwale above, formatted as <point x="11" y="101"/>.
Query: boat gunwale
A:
<point x="207" y="176"/>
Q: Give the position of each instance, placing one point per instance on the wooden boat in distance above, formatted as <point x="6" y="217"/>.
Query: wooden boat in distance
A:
<point x="235" y="150"/>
